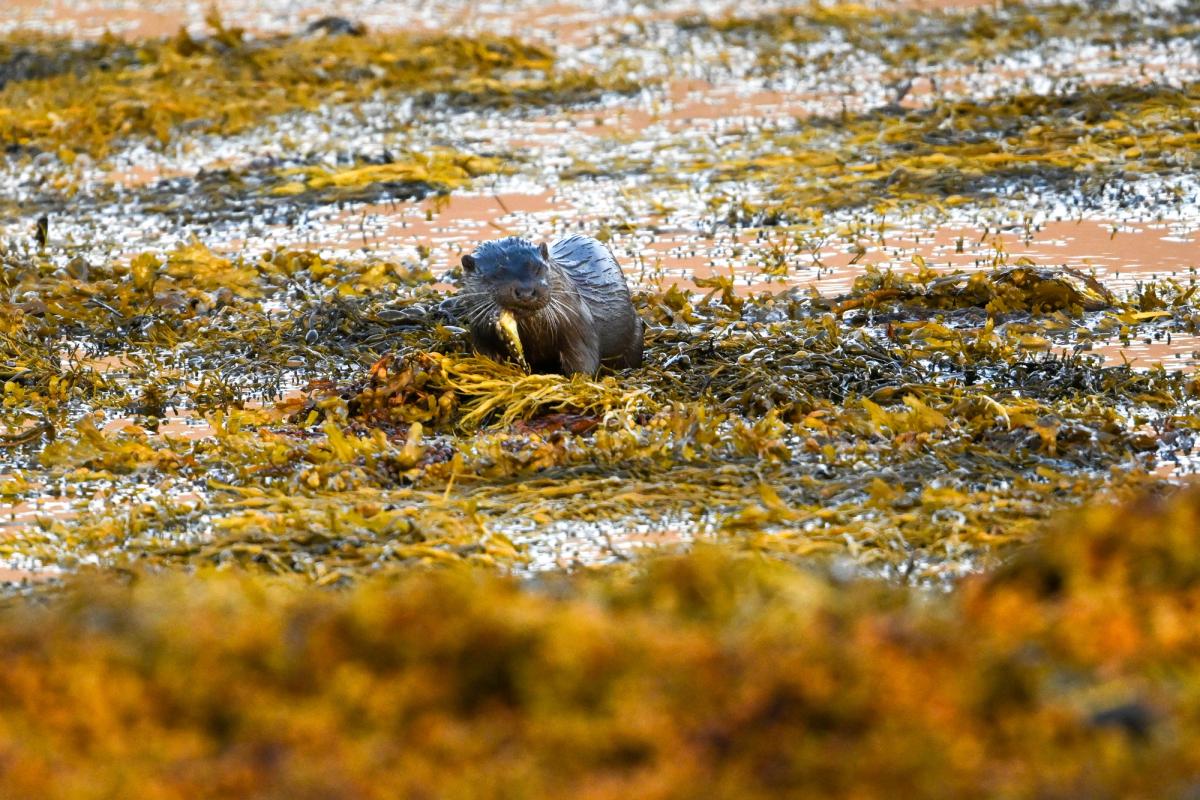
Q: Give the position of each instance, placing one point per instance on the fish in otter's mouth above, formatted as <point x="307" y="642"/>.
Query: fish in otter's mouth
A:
<point x="506" y="329"/>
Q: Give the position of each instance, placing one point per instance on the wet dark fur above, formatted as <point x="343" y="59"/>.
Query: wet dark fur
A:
<point x="570" y="299"/>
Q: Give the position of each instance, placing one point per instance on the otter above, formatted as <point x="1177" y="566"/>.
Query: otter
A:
<point x="570" y="301"/>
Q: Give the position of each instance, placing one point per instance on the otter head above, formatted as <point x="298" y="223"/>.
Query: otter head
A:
<point x="514" y="272"/>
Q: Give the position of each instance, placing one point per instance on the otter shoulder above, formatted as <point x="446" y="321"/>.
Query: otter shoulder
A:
<point x="588" y="260"/>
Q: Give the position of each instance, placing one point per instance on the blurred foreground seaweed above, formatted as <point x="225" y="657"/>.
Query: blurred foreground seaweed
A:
<point x="1071" y="672"/>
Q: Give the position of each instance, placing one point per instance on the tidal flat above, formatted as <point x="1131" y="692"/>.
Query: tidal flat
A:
<point x="897" y="505"/>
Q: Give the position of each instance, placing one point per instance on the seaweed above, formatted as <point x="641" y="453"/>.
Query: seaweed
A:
<point x="909" y="40"/>
<point x="961" y="151"/>
<point x="227" y="82"/>
<point x="712" y="674"/>
<point x="275" y="530"/>
<point x="920" y="425"/>
<point x="27" y="58"/>
<point x="278" y="191"/>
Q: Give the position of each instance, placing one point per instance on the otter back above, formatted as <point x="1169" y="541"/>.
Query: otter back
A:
<point x="601" y="286"/>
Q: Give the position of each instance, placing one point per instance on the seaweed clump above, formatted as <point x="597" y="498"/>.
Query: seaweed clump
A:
<point x="227" y="82"/>
<point x="1069" y="673"/>
<point x="909" y="40"/>
<point x="962" y="151"/>
<point x="921" y="425"/>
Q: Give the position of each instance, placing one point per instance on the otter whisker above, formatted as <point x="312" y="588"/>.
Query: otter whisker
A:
<point x="483" y="312"/>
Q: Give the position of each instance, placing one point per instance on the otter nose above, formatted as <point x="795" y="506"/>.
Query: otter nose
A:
<point x="525" y="293"/>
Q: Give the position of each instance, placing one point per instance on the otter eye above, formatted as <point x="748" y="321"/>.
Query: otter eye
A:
<point x="468" y="262"/>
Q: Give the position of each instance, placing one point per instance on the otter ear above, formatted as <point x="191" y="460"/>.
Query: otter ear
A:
<point x="545" y="251"/>
<point x="468" y="262"/>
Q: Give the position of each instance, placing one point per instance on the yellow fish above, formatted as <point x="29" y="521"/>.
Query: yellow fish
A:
<point x="506" y="327"/>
